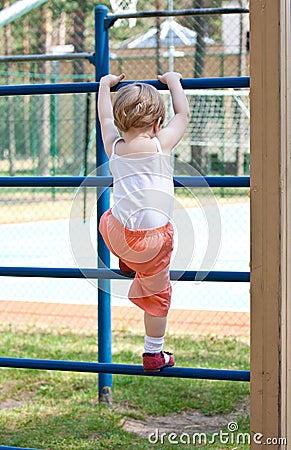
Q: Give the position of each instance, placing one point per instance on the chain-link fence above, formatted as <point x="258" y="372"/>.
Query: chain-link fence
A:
<point x="55" y="135"/>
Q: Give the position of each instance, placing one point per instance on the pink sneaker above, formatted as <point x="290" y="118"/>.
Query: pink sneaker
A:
<point x="154" y="362"/>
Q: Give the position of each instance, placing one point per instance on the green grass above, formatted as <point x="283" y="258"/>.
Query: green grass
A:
<point x="60" y="410"/>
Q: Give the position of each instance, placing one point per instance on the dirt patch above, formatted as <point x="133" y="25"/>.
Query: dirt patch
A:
<point x="189" y="422"/>
<point x="11" y="403"/>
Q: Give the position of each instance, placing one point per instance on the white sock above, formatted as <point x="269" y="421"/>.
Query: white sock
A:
<point x="153" y="344"/>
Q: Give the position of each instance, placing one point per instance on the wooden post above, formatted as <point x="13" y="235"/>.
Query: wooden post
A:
<point x="285" y="91"/>
<point x="270" y="238"/>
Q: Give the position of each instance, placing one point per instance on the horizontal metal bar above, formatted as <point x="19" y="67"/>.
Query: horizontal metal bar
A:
<point x="16" y="448"/>
<point x="101" y="181"/>
<point x="115" y="274"/>
<point x="111" y="18"/>
<point x="212" y="181"/>
<point x="83" y="87"/>
<point x="215" y="275"/>
<point x="125" y="369"/>
<point x="45" y="57"/>
<point x="49" y="88"/>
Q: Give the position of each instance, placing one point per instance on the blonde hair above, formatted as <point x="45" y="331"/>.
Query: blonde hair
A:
<point x="138" y="105"/>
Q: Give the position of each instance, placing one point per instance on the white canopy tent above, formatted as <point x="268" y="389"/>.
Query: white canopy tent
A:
<point x="171" y="34"/>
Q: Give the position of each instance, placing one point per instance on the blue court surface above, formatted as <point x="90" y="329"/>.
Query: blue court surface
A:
<point x="48" y="244"/>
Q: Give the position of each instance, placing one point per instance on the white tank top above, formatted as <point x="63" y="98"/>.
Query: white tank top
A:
<point x="143" y="189"/>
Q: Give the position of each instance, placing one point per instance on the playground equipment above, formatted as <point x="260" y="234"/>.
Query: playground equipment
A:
<point x="104" y="367"/>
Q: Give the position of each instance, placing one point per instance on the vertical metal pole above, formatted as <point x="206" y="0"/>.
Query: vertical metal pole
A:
<point x="104" y="307"/>
<point x="54" y="120"/>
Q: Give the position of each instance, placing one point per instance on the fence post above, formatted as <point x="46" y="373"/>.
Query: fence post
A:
<point x="104" y="306"/>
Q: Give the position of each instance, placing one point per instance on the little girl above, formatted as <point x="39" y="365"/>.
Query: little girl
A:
<point x="137" y="229"/>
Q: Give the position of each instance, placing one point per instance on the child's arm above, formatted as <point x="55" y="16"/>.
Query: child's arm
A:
<point x="105" y="114"/>
<point x="173" y="132"/>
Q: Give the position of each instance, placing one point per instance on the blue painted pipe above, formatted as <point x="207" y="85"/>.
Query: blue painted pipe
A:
<point x="49" y="88"/>
<point x="125" y="369"/>
<point x="103" y="204"/>
<point x="115" y="274"/>
<point x="180" y="12"/>
<point x="106" y="181"/>
<point x="196" y="83"/>
<point x="16" y="448"/>
<point x="79" y="88"/>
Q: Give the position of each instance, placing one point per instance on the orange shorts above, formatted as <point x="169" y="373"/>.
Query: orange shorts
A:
<point x="148" y="253"/>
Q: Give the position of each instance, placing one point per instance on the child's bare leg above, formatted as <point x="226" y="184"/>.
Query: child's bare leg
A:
<point x="155" y="326"/>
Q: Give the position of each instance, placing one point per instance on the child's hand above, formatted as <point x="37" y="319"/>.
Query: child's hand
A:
<point x="168" y="77"/>
<point x="111" y="80"/>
